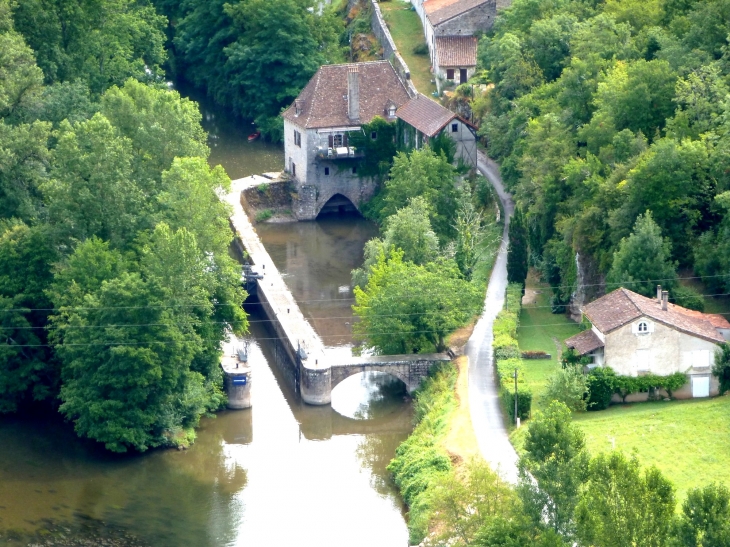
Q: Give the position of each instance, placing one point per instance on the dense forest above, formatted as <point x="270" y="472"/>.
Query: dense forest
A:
<point x="116" y="287"/>
<point x="611" y="121"/>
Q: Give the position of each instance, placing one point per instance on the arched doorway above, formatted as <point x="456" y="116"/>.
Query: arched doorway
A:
<point x="338" y="205"/>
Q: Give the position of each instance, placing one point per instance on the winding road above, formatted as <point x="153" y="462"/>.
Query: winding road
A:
<point x="486" y="413"/>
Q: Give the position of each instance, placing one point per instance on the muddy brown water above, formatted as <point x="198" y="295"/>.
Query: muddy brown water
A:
<point x="281" y="473"/>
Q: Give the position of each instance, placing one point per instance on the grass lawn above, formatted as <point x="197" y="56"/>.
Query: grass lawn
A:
<point x="689" y="441"/>
<point x="407" y="31"/>
<point x="541" y="330"/>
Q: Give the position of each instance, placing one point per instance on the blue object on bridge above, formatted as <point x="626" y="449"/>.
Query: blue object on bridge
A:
<point x="239" y="380"/>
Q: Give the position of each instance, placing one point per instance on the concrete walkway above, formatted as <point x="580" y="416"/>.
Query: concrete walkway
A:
<point x="486" y="413"/>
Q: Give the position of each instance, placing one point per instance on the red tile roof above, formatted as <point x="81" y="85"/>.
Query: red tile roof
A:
<point x="456" y="51"/>
<point x="426" y="115"/>
<point x="623" y="306"/>
<point x="324" y="99"/>
<point x="584" y="342"/>
<point x="439" y="11"/>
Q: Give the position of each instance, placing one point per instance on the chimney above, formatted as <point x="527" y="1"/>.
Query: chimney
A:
<point x="665" y="300"/>
<point x="659" y="294"/>
<point x="353" y="93"/>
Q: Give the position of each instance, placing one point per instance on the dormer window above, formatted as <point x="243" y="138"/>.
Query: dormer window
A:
<point x="390" y="109"/>
<point x="643" y="326"/>
<point x="297" y="107"/>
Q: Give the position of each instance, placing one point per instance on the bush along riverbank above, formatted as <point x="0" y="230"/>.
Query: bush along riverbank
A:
<point x="421" y="460"/>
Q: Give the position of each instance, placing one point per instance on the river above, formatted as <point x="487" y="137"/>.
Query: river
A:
<point x="281" y="473"/>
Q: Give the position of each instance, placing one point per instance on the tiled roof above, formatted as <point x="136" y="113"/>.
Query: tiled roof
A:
<point x="442" y="10"/>
<point x="456" y="51"/>
<point x="426" y="115"/>
<point x="323" y="102"/>
<point x="584" y="342"/>
<point x="623" y="306"/>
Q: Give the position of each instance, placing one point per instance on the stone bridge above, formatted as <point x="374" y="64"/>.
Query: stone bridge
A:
<point x="317" y="370"/>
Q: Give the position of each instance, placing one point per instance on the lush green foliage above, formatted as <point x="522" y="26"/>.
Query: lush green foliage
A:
<point x="255" y="56"/>
<point x="603" y="111"/>
<point x="705" y="518"/>
<point x="408" y="308"/>
<point x="721" y="368"/>
<point x="601" y="385"/>
<point x="420" y="463"/>
<point x="568" y="386"/>
<point x="517" y="258"/>
<point x="552" y="469"/>
<point x="116" y="288"/>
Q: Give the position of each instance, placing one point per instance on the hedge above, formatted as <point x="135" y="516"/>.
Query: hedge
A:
<point x="507" y="355"/>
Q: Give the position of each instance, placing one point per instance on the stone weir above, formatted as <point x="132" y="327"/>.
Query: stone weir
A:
<point x="318" y="370"/>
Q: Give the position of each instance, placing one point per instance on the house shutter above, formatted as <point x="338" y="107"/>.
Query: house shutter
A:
<point x="330" y="141"/>
<point x="344" y="139"/>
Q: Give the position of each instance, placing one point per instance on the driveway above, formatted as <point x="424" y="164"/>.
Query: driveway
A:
<point x="486" y="413"/>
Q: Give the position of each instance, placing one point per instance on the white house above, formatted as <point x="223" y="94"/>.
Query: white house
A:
<point x="422" y="119"/>
<point x="338" y="100"/>
<point x="636" y="335"/>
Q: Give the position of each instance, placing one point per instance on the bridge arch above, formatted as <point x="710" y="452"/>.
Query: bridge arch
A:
<point x="337" y="203"/>
<point x="341" y="373"/>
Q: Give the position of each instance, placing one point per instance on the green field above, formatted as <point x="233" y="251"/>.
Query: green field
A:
<point x="407" y="31"/>
<point x="689" y="441"/>
<point x="541" y="330"/>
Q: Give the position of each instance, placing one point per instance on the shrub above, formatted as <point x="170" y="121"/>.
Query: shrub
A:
<point x="524" y="402"/>
<point x="421" y="49"/>
<point x="568" y="386"/>
<point x="262" y="188"/>
<point x="721" y="369"/>
<point x="601" y="384"/>
<point x="505" y="347"/>
<point x="264" y="215"/>
<point x="687" y="297"/>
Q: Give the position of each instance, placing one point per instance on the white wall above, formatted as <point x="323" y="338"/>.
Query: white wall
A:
<point x="294" y="153"/>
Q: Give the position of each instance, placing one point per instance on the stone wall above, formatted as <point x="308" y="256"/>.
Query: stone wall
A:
<point x="390" y="51"/>
<point x="410" y="369"/>
<point x="479" y="19"/>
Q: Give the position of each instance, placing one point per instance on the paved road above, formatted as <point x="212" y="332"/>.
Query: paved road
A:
<point x="486" y="414"/>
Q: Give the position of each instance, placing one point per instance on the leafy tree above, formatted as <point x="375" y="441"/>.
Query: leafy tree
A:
<point x="567" y="385"/>
<point x="517" y="258"/>
<point x="422" y="173"/>
<point x="643" y="259"/>
<point x="622" y="506"/>
<point x="705" y="518"/>
<point x="463" y="504"/>
<point x="602" y="384"/>
<point x="712" y="254"/>
<point x="470" y="234"/>
<point x="407" y="308"/>
<point x="20" y="78"/>
<point x="102" y="42"/>
<point x="552" y="470"/>
<point x="28" y="372"/>
<point x="92" y="192"/>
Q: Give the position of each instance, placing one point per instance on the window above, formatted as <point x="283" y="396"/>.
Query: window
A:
<point x="374" y="135"/>
<point x="293" y="169"/>
<point x="449" y="73"/>
<point x="354" y="170"/>
<point x="454" y="127"/>
<point x="297" y="138"/>
<point x="337" y="141"/>
<point x="391" y="111"/>
<point x="643" y="327"/>
<point x="326" y="171"/>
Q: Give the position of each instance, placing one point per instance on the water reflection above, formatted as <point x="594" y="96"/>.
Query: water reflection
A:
<point x="316" y="259"/>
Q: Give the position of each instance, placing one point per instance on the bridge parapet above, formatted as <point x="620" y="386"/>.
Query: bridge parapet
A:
<point x="410" y="369"/>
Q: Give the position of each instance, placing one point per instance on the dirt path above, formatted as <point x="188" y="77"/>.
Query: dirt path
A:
<point x="486" y="414"/>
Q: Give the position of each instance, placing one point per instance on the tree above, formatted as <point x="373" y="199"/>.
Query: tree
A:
<point x="567" y="385"/>
<point x="20" y="78"/>
<point x="423" y="173"/>
<point x="406" y="308"/>
<point x="470" y="233"/>
<point x="643" y="259"/>
<point x="721" y="368"/>
<point x="705" y="518"/>
<point x="621" y="506"/>
<point x="517" y="257"/>
<point x="552" y="470"/>
<point x="102" y="42"/>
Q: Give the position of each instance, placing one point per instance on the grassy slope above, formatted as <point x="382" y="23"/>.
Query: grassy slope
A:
<point x="407" y="31"/>
<point x="538" y="330"/>
<point x="689" y="441"/>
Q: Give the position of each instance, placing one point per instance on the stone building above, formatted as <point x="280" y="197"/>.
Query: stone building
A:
<point x="337" y="101"/>
<point x="455" y="58"/>
<point x="422" y="119"/>
<point x="635" y="335"/>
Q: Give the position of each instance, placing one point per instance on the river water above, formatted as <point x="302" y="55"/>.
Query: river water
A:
<point x="281" y="473"/>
